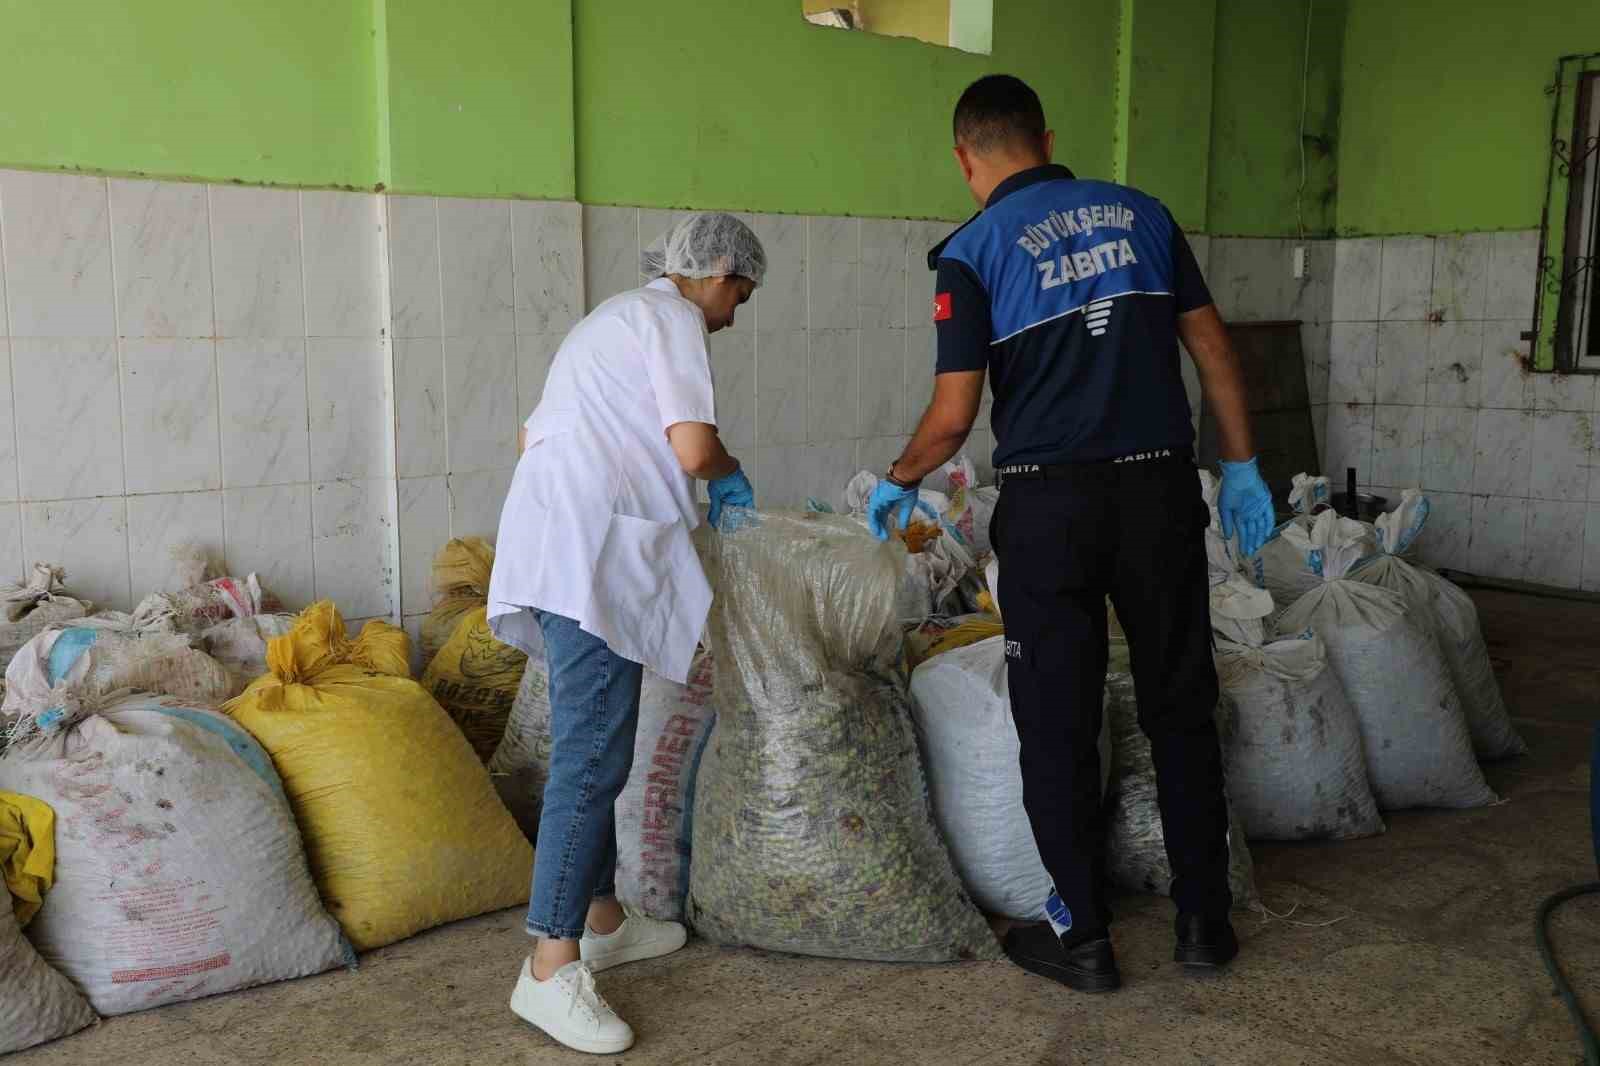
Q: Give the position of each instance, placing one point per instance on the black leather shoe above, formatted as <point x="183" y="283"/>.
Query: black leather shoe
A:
<point x="1088" y="966"/>
<point x="1205" y="943"/>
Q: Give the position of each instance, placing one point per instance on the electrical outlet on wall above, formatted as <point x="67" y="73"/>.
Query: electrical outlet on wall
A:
<point x="1299" y="261"/>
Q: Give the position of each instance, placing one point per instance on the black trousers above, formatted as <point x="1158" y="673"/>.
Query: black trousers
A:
<point x="1133" y="531"/>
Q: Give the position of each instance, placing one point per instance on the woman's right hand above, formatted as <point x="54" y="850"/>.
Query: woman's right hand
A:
<point x="734" y="490"/>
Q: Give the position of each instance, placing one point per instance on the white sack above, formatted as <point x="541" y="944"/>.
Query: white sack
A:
<point x="205" y="603"/>
<point x="1418" y="749"/>
<point x="36" y="1003"/>
<point x="240" y="644"/>
<point x="179" y="869"/>
<point x="1136" y="850"/>
<point x="934" y="575"/>
<point x="962" y="707"/>
<point x="1294" y="757"/>
<point x="28" y="609"/>
<point x="105" y="654"/>
<point x="655" y="811"/>
<point x="1454" y="620"/>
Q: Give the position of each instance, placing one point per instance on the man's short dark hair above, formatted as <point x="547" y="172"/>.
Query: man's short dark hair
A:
<point x="999" y="111"/>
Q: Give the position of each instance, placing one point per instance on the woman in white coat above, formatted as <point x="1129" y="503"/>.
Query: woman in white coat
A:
<point x="594" y="557"/>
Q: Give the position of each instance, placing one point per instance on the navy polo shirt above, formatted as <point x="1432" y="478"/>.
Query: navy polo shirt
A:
<point x="1068" y="293"/>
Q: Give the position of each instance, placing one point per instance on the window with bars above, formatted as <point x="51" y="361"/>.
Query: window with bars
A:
<point x="1569" y="291"/>
<point x="1580" y="311"/>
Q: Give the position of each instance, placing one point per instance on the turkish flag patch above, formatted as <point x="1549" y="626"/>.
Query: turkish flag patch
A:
<point x="941" y="307"/>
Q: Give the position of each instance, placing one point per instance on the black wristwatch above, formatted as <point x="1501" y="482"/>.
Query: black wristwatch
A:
<point x="891" y="479"/>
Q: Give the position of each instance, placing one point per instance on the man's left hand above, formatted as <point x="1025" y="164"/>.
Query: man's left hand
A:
<point x="889" y="499"/>
<point x="1245" y="505"/>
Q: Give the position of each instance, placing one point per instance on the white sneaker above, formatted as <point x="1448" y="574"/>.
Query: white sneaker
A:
<point x="636" y="939"/>
<point x="568" y="1008"/>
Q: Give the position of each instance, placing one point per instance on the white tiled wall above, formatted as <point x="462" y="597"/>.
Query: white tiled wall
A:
<point x="193" y="364"/>
<point x="482" y="293"/>
<point x="324" y="386"/>
<point x="1427" y="384"/>
<point x="290" y="380"/>
<point x="829" y="367"/>
<point x="1505" y="453"/>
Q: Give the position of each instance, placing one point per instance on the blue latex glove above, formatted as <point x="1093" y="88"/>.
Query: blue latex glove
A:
<point x="1245" y="505"/>
<point x="890" y="499"/>
<point x="734" y="490"/>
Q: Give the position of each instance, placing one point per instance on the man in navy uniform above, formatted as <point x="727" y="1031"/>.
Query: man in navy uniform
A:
<point x="1071" y="296"/>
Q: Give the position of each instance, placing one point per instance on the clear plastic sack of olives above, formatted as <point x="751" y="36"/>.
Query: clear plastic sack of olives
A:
<point x="813" y="832"/>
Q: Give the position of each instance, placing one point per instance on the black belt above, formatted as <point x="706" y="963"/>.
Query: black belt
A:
<point x="1046" y="471"/>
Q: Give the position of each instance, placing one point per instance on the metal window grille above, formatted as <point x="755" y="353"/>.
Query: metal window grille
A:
<point x="1568" y="319"/>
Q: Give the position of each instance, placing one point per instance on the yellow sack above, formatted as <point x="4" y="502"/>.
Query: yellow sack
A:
<point x="937" y="636"/>
<point x="968" y="632"/>
<point x="460" y="582"/>
<point x="475" y="677"/>
<point x="402" y="827"/>
<point x="27" y="852"/>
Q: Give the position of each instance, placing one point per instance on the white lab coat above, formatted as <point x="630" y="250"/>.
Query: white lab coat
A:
<point x="596" y="525"/>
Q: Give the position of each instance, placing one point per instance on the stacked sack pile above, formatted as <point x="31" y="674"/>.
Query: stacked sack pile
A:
<point x="1404" y="642"/>
<point x="938" y="604"/>
<point x="781" y="799"/>
<point x="1353" y="681"/>
<point x="263" y="795"/>
<point x="1367" y="679"/>
<point x="472" y="675"/>
<point x="971" y="748"/>
<point x="180" y="871"/>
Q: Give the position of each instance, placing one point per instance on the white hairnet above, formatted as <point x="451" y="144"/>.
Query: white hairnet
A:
<point x="707" y="245"/>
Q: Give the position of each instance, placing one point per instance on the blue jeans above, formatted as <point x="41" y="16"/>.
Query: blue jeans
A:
<point x="594" y="713"/>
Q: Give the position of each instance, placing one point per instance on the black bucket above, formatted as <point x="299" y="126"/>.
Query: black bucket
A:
<point x="1369" y="505"/>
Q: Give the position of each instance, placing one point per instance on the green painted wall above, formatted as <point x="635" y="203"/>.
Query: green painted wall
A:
<point x="1446" y="124"/>
<point x="480" y="98"/>
<point x="746" y="106"/>
<point x="1259" y="58"/>
<point x="279" y="92"/>
<point x="1164" y="102"/>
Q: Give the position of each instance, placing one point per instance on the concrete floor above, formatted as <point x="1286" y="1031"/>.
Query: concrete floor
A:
<point x="1433" y="963"/>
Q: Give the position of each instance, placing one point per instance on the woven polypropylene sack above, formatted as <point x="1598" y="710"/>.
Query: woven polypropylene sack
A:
<point x="931" y="580"/>
<point x="1454" y="621"/>
<point x="655" y="823"/>
<point x="1136" y="849"/>
<point x="525" y="745"/>
<point x="460" y="582"/>
<point x="1418" y="750"/>
<point x="812" y="827"/>
<point x="969" y="743"/>
<point x="402" y="825"/>
<point x="28" y="609"/>
<point x="36" y="1003"/>
<point x="240" y="644"/>
<point x="206" y="604"/>
<point x="179" y="869"/>
<point x="101" y="655"/>
<point x="1455" y="624"/>
<point x="475" y="678"/>
<point x="654" y="813"/>
<point x="1294" y="758"/>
